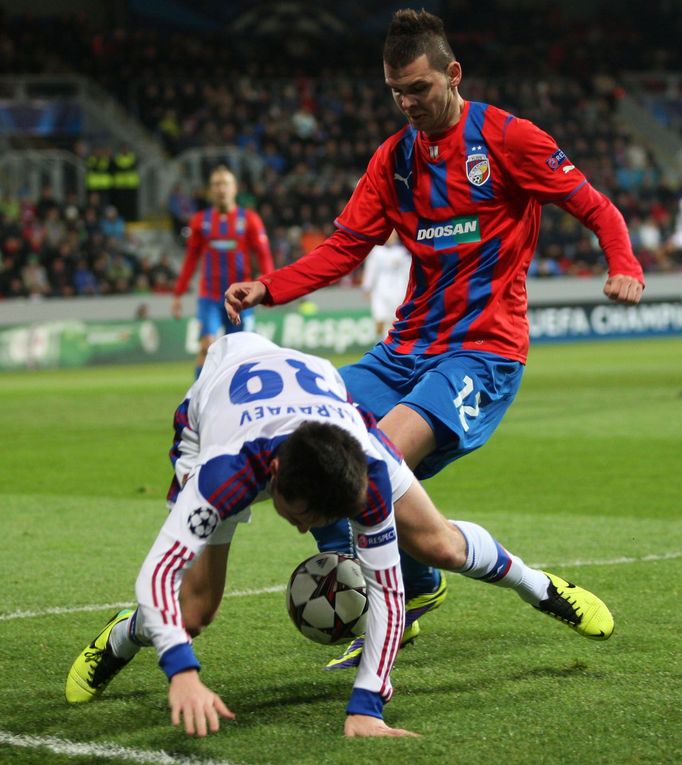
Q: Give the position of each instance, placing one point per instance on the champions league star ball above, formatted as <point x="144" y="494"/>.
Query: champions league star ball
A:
<point x="327" y="598"/>
<point x="203" y="521"/>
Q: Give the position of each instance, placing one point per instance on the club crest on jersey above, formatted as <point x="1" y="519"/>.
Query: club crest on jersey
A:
<point x="478" y="167"/>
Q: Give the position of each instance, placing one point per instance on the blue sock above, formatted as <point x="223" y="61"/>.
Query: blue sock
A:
<point x="418" y="578"/>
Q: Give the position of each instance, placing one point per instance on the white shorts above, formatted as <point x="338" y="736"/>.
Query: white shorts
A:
<point x="225" y="529"/>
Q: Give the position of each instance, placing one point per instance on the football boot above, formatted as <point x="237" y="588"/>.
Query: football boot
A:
<point x="96" y="665"/>
<point x="414" y="609"/>
<point x="578" y="608"/>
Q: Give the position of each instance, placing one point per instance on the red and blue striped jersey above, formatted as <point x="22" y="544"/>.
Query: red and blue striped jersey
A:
<point x="467" y="205"/>
<point x="224" y="242"/>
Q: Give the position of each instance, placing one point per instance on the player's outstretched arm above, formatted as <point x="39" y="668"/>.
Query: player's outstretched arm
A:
<point x="241" y="295"/>
<point x="623" y="289"/>
<point x="364" y="725"/>
<point x="197" y="705"/>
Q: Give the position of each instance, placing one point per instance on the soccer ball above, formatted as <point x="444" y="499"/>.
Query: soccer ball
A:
<point x="327" y="598"/>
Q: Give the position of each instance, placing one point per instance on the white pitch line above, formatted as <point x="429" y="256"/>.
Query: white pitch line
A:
<point x="609" y="561"/>
<point x="59" y="610"/>
<point x="106" y="751"/>
<point x="62" y="610"/>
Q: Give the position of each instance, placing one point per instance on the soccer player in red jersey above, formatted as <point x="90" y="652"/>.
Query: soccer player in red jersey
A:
<point x="223" y="237"/>
<point x="463" y="184"/>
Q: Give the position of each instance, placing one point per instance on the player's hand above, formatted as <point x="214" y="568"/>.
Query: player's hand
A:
<point x="623" y="289"/>
<point x="196" y="704"/>
<point x="241" y="295"/>
<point x="364" y="725"/>
<point x="176" y="307"/>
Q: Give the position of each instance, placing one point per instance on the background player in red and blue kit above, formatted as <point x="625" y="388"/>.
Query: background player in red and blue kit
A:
<point x="463" y="184"/>
<point x="223" y="237"/>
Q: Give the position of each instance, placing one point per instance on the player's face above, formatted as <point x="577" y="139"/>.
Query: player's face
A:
<point x="426" y="96"/>
<point x="223" y="188"/>
<point x="296" y="513"/>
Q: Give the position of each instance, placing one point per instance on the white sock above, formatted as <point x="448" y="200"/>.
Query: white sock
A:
<point x="120" y="640"/>
<point x="489" y="562"/>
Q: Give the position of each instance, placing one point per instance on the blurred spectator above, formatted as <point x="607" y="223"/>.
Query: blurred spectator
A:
<point x="84" y="280"/>
<point x="11" y="284"/>
<point x="119" y="275"/>
<point x="112" y="224"/>
<point x="99" y="176"/>
<point x="34" y="277"/>
<point x="46" y="202"/>
<point x="126" y="182"/>
<point x="61" y="278"/>
<point x="163" y="269"/>
<point x="54" y="229"/>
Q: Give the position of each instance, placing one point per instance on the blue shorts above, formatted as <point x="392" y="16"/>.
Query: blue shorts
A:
<point x="213" y="318"/>
<point x="463" y="395"/>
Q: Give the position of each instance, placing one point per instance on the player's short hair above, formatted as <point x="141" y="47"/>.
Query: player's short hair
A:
<point x="414" y="33"/>
<point x="221" y="169"/>
<point x="325" y="466"/>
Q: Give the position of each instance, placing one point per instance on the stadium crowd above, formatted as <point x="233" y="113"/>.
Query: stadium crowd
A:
<point x="306" y="139"/>
<point x="61" y="249"/>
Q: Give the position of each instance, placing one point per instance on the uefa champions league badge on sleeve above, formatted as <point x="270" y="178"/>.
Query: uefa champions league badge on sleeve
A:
<point x="379" y="539"/>
<point x="555" y="160"/>
<point x="478" y="166"/>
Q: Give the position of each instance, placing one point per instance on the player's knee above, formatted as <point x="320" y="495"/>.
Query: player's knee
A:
<point x="447" y="548"/>
<point x="445" y="554"/>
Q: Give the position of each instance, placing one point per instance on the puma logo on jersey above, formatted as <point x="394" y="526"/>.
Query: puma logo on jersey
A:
<point x="568" y="168"/>
<point x="405" y="179"/>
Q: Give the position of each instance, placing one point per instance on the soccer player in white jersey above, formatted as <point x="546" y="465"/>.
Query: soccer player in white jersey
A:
<point x="263" y="420"/>
<point x="385" y="278"/>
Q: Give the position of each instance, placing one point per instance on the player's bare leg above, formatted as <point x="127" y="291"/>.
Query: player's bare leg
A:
<point x="425" y="533"/>
<point x="410" y="432"/>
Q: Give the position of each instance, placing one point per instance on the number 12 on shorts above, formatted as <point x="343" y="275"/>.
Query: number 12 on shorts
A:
<point x="464" y="410"/>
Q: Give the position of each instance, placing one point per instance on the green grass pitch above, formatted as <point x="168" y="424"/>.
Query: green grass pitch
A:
<point x="584" y="477"/>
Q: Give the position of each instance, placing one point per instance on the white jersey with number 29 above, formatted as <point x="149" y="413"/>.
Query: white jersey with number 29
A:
<point x="250" y="396"/>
